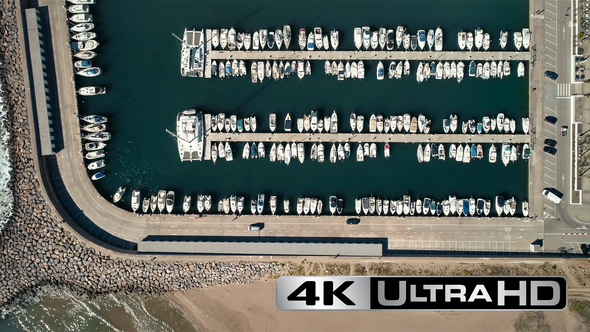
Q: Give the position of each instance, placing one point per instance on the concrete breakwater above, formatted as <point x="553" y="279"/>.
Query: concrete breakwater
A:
<point x="37" y="249"/>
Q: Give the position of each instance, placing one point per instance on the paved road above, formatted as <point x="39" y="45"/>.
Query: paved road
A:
<point x="501" y="234"/>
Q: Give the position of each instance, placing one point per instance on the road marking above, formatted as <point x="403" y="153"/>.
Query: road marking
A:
<point x="550" y="177"/>
<point x="547" y="160"/>
<point x="548" y="41"/>
<point x="549" y="207"/>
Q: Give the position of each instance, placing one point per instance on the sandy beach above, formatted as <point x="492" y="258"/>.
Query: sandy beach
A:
<point x="252" y="307"/>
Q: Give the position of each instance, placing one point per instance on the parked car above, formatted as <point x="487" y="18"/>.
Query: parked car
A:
<point x="550" y="150"/>
<point x="551" y="196"/>
<point x="352" y="221"/>
<point x="551" y="75"/>
<point x="551" y="119"/>
<point x="564" y="131"/>
<point x="550" y="142"/>
<point x="256" y="227"/>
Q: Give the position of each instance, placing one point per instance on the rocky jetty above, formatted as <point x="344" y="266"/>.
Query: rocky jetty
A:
<point x="36" y="248"/>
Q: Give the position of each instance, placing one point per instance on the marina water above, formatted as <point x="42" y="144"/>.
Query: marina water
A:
<point x="140" y="62"/>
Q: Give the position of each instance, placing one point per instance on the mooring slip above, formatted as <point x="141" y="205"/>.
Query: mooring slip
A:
<point x="368" y="55"/>
<point x="370" y="137"/>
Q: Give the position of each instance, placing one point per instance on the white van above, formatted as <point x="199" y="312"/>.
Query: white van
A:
<point x="551" y="196"/>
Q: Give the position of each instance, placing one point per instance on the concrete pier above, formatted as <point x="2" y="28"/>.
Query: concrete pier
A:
<point x="465" y="56"/>
<point x="369" y="137"/>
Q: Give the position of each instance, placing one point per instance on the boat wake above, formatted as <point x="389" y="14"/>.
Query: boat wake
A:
<point x="6" y="198"/>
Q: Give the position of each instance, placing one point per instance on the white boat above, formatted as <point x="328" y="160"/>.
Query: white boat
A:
<point x="223" y="38"/>
<point x="407" y="68"/>
<point x="288" y="153"/>
<point x="260" y="204"/>
<point x="334" y="123"/>
<point x="462" y="39"/>
<point x="358" y="37"/>
<point x="317" y="33"/>
<point x="525" y="208"/>
<point x="438" y="40"/>
<point x="253" y="123"/>
<point x="300" y="69"/>
<point x="427" y="152"/>
<point x="228" y="152"/>
<point x="119" y="194"/>
<point x="420" y="153"/>
<point x="503" y="39"/>
<point x="374" y="40"/>
<point x="453" y="125"/>
<point x="373" y="124"/>
<point x="263" y="34"/>
<point x="525" y="125"/>
<point x="406" y="41"/>
<point x="246" y="151"/>
<point x="84" y="36"/>
<point x="506" y="152"/>
<point x="98" y="137"/>
<point x="486" y="71"/>
<point x="95" y="127"/>
<point x="421" y="39"/>
<point x="301" y="152"/>
<point x="81" y="18"/>
<point x="360" y="122"/>
<point x="430" y="39"/>
<point x="358" y="206"/>
<point x="287" y="35"/>
<point x="506" y="67"/>
<point x="361" y="70"/>
<point x="382" y="38"/>
<point x="273" y="204"/>
<point x="92" y="91"/>
<point x="512" y="126"/>
<point x="310" y="42"/>
<point x="186" y="203"/>
<point x="460" y="71"/>
<point x="366" y="37"/>
<point x="520" y="70"/>
<point x="255" y="41"/>
<point x="273" y="152"/>
<point x="82" y="2"/>
<point x="526" y="38"/>
<point x="135" y="199"/>
<point x="320" y="152"/>
<point x="380" y="71"/>
<point x="459" y="156"/>
<point x="302" y="39"/>
<point x="279" y="38"/>
<point x="90" y="72"/>
<point x="469" y="43"/>
<point x="286" y="202"/>
<point x="453" y="151"/>
<point x="333" y="154"/>
<point x="518" y="40"/>
<point x="86" y="55"/>
<point x="479" y="38"/>
<point x="169" y="201"/>
<point x="272" y="122"/>
<point x="486" y="41"/>
<point x="390" y="40"/>
<point x="215" y="38"/>
<point x="399" y="36"/>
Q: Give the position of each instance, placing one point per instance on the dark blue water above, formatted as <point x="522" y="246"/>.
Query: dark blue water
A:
<point x="140" y="61"/>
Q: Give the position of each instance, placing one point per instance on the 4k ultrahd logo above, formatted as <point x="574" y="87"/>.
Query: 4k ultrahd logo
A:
<point x="422" y="293"/>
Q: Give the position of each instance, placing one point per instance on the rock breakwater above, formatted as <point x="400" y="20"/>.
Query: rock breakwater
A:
<point x="37" y="250"/>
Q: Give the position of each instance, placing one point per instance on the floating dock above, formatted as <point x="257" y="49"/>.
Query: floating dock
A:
<point x="357" y="55"/>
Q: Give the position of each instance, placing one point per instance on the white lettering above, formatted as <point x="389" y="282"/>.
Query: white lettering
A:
<point x="413" y="297"/>
<point x="449" y="294"/>
<point x="475" y="295"/>
<point x="433" y="289"/>
<point x="520" y="292"/>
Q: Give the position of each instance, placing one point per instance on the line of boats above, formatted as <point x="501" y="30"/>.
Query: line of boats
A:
<point x="494" y="69"/>
<point x="460" y="153"/>
<point x="364" y="38"/>
<point x="165" y="200"/>
<point x="260" y="70"/>
<point x="488" y="124"/>
<point x="447" y="207"/>
<point x="83" y="44"/>
<point x="480" y="40"/>
<point x="95" y="128"/>
<point x="356" y="69"/>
